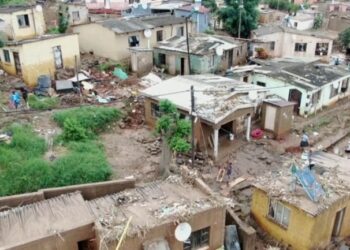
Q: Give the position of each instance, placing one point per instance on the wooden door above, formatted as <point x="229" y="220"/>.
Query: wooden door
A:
<point x="17" y="63"/>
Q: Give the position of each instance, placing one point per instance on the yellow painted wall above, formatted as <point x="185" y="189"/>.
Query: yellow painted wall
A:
<point x="304" y="231"/>
<point x="105" y="43"/>
<point x="35" y="28"/>
<point x="37" y="58"/>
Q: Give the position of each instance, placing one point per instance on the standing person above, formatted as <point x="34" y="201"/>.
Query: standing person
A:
<point x="24" y="93"/>
<point x="15" y="99"/>
<point x="304" y="143"/>
<point x="229" y="172"/>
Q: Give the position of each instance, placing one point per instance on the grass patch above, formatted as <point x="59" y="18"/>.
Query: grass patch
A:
<point x="43" y="103"/>
<point x="24" y="169"/>
<point x="92" y="119"/>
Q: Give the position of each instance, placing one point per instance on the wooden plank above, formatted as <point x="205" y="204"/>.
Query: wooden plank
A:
<point x="237" y="181"/>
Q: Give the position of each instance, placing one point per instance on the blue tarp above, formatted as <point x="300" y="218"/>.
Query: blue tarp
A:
<point x="311" y="186"/>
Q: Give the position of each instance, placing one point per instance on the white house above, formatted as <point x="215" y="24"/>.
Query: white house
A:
<point x="301" y="21"/>
<point x="281" y="41"/>
<point x="312" y="85"/>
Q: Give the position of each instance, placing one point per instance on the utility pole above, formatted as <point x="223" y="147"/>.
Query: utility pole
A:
<point x="188" y="46"/>
<point x="240" y="7"/>
<point x="192" y="125"/>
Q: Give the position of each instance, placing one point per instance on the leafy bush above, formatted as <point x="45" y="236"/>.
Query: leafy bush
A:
<point x="43" y="103"/>
<point x="73" y="131"/>
<point x="93" y="119"/>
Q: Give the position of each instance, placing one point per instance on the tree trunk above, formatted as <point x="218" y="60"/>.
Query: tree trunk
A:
<point x="164" y="159"/>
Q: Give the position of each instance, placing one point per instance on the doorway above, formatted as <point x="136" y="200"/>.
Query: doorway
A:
<point x="182" y="69"/>
<point x="295" y="96"/>
<point x="17" y="63"/>
<point x="230" y="58"/>
<point x="57" y="53"/>
<point x="338" y="222"/>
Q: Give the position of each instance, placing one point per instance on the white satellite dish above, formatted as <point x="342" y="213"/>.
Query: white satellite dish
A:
<point x="135" y="5"/>
<point x="147" y="33"/>
<point x="39" y="8"/>
<point x="219" y="51"/>
<point x="253" y="95"/>
<point x="183" y="231"/>
<point x="335" y="85"/>
<point x="144" y="6"/>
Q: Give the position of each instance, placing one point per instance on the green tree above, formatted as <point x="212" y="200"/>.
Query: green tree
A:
<point x="318" y="22"/>
<point x="249" y="17"/>
<point x="210" y="4"/>
<point x="63" y="18"/>
<point x="174" y="133"/>
<point x="344" y="38"/>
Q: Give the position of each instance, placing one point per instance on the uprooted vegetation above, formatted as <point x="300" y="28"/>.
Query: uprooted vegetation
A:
<point x="23" y="167"/>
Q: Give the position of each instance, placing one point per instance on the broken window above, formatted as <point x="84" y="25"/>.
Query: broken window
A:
<point x="180" y="31"/>
<point x="75" y="15"/>
<point x="23" y="21"/>
<point x="198" y="239"/>
<point x="134" y="41"/>
<point x="7" y="56"/>
<point x="159" y="35"/>
<point x="300" y="47"/>
<point x="155" y="112"/>
<point x="279" y="213"/>
<point x="321" y="49"/>
<point x="162" y="59"/>
<point x="272" y="46"/>
<point x="295" y="24"/>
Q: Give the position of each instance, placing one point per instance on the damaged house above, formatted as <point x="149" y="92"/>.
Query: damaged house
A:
<point x="27" y="51"/>
<point x="279" y="41"/>
<point x="96" y="217"/>
<point x="310" y="84"/>
<point x="305" y="209"/>
<point x="208" y="54"/>
<point x="223" y="107"/>
<point x="113" y="38"/>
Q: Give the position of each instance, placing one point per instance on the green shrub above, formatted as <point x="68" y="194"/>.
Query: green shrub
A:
<point x="43" y="103"/>
<point x="93" y="119"/>
<point x="73" y="131"/>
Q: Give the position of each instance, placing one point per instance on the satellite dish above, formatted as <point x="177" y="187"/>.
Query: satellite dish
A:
<point x="135" y="5"/>
<point x="144" y="6"/>
<point x="335" y="85"/>
<point x="183" y="231"/>
<point x="147" y="33"/>
<point x="253" y="95"/>
<point x="219" y="51"/>
<point x="39" y="8"/>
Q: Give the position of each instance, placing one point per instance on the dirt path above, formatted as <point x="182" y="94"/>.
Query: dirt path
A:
<point x="129" y="157"/>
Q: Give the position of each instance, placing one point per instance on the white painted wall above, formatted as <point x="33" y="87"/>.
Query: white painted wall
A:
<point x="302" y="25"/>
<point x="285" y="45"/>
<point x="282" y="89"/>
